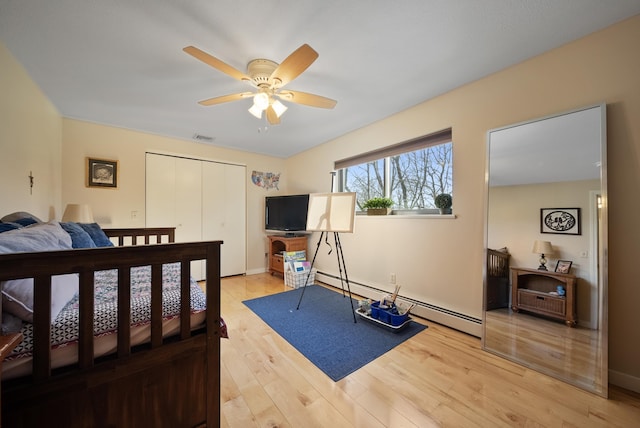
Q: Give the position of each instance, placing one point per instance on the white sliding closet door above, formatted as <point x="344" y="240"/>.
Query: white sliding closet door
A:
<point x="174" y="198"/>
<point x="160" y="190"/>
<point x="224" y="213"/>
<point x="188" y="206"/>
<point x="203" y="200"/>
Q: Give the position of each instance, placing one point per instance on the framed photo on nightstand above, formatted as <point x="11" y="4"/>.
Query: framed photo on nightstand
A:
<point x="563" y="266"/>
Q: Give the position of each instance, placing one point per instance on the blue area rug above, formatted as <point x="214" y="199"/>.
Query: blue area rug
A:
<point x="323" y="329"/>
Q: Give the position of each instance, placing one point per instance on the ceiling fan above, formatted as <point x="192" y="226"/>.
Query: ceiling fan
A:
<point x="268" y="77"/>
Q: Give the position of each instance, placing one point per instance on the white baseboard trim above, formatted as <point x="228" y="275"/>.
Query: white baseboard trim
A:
<point x="464" y="323"/>
<point x="623" y="380"/>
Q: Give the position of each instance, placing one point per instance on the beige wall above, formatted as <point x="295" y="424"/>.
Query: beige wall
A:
<point x="113" y="207"/>
<point x="30" y="141"/>
<point x="441" y="261"/>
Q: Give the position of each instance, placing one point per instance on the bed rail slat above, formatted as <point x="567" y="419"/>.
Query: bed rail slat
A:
<point x="41" y="327"/>
<point x="124" y="317"/>
<point x="185" y="299"/>
<point x="157" y="232"/>
<point x="213" y="333"/>
<point x="86" y="294"/>
<point x="156" y="305"/>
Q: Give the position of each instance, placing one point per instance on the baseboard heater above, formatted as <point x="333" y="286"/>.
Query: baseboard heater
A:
<point x="455" y="320"/>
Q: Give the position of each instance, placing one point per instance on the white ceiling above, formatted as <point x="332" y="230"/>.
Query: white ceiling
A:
<point x="121" y="63"/>
<point x="564" y="147"/>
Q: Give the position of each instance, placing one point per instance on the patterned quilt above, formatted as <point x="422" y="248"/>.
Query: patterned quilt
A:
<point x="64" y="329"/>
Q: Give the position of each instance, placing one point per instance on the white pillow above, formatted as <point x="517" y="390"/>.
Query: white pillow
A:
<point x="17" y="295"/>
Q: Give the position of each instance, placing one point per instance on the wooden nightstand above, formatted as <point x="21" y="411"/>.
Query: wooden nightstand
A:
<point x="531" y="291"/>
<point x="278" y="244"/>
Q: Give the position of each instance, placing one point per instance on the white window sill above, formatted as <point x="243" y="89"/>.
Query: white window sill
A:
<point x="411" y="216"/>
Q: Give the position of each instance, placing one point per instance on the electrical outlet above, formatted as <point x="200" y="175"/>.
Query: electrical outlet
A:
<point x="393" y="278"/>
<point x="134" y="215"/>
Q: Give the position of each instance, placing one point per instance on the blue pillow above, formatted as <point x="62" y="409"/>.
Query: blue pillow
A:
<point x="25" y="221"/>
<point x="79" y="237"/>
<point x="97" y="234"/>
<point x="4" y="227"/>
<point x="38" y="237"/>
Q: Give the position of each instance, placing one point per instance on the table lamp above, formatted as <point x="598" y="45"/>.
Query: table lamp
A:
<point x="542" y="248"/>
<point x="78" y="213"/>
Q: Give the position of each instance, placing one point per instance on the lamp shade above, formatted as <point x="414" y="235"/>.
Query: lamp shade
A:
<point x="261" y="100"/>
<point x="542" y="247"/>
<point x="278" y="107"/>
<point x="256" y="111"/>
<point x="78" y="213"/>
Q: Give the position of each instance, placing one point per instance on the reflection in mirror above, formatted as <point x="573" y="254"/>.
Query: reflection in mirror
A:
<point x="546" y="185"/>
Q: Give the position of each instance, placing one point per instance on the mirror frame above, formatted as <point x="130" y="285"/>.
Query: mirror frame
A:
<point x="602" y="272"/>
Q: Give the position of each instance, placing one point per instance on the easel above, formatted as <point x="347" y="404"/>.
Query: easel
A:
<point x="341" y="265"/>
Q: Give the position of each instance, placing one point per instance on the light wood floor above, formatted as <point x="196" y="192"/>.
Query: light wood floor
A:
<point x="438" y="378"/>
<point x="573" y="354"/>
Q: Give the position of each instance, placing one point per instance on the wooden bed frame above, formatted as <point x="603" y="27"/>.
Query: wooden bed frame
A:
<point x="168" y="382"/>
<point x="497" y="293"/>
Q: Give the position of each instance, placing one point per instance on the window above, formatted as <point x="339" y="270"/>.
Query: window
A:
<point x="411" y="173"/>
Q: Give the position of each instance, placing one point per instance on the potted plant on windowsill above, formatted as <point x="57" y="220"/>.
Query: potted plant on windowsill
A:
<point x="378" y="206"/>
<point x="443" y="202"/>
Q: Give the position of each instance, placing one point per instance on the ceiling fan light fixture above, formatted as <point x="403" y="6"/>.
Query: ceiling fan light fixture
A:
<point x="256" y="111"/>
<point x="268" y="77"/>
<point x="261" y="101"/>
<point x="279" y="108"/>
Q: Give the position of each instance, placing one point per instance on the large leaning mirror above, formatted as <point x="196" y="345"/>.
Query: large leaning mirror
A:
<point x="546" y="209"/>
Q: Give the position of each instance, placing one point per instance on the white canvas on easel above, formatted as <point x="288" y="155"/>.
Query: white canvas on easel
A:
<point x="331" y="212"/>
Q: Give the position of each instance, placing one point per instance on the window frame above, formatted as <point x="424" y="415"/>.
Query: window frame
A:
<point x="385" y="153"/>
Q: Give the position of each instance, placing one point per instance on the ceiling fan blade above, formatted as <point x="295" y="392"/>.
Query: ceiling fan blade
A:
<point x="216" y="63"/>
<point x="307" y="99"/>
<point x="272" y="117"/>
<point x="294" y="65"/>
<point x="226" y="98"/>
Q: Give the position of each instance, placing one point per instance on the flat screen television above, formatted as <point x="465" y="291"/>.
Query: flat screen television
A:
<point x="286" y="213"/>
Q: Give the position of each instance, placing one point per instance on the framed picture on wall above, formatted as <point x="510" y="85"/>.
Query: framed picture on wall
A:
<point x="102" y="173"/>
<point x="563" y="221"/>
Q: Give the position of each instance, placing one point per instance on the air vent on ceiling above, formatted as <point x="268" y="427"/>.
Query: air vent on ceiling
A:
<point x="205" y="138"/>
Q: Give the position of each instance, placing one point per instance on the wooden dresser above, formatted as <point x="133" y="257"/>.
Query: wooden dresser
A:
<point x="531" y="291"/>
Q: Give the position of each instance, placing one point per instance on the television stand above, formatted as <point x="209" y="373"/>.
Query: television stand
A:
<point x="280" y="243"/>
